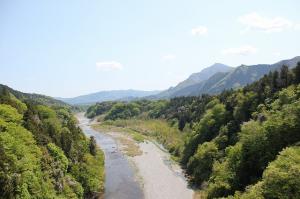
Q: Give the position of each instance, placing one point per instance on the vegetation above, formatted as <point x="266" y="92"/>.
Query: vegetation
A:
<point x="43" y="154"/>
<point x="238" y="144"/>
<point x="165" y="134"/>
<point x="219" y="77"/>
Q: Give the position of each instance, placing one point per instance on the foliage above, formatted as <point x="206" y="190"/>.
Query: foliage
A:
<point x="10" y="114"/>
<point x="228" y="143"/>
<point x="280" y="179"/>
<point x="200" y="164"/>
<point x="40" y="149"/>
<point x="206" y="129"/>
<point x="167" y="135"/>
<point x="58" y="156"/>
<point x="99" y="108"/>
<point x="21" y="174"/>
<point x="123" y="111"/>
<point x="93" y="145"/>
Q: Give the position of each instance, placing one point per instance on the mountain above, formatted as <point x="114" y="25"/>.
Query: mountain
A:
<point x="244" y="75"/>
<point x="217" y="81"/>
<point x="42" y="99"/>
<point x="124" y="95"/>
<point x="194" y="79"/>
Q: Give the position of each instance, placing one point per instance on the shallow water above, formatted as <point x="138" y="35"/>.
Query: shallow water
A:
<point x="120" y="181"/>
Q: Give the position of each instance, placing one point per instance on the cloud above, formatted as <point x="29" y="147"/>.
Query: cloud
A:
<point x="109" y="66"/>
<point x="168" y="57"/>
<point x="243" y="50"/>
<point x="254" y="21"/>
<point x="200" y="30"/>
<point x="297" y="26"/>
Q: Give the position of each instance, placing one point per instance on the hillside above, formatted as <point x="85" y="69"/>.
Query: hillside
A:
<point x="244" y="75"/>
<point x="43" y="154"/>
<point x="43" y="99"/>
<point x="195" y="78"/>
<point x="101" y="96"/>
<point x="239" y="144"/>
<point x="222" y="80"/>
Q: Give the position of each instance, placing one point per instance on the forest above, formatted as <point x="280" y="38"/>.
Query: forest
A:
<point x="43" y="153"/>
<point x="241" y="143"/>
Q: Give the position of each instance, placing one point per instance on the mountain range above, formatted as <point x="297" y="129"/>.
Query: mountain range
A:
<point x="194" y="79"/>
<point x="122" y="95"/>
<point x="211" y="80"/>
<point x="218" y="77"/>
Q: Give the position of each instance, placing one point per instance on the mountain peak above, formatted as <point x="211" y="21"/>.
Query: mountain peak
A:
<point x="219" y="77"/>
<point x="195" y="78"/>
<point x="209" y="71"/>
<point x="217" y="65"/>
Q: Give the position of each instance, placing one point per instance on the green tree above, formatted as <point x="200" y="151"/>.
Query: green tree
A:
<point x="281" y="179"/>
<point x="93" y="146"/>
<point x="297" y="73"/>
<point x="10" y="114"/>
<point x="21" y="175"/>
<point x="206" y="129"/>
<point x="275" y="79"/>
<point x="200" y="164"/>
<point x="284" y="76"/>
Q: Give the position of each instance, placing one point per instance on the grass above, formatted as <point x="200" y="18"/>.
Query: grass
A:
<point x="130" y="147"/>
<point x="103" y="127"/>
<point x="140" y="129"/>
<point x="199" y="195"/>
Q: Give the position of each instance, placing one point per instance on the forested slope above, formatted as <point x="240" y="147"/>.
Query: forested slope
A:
<point x="220" y="80"/>
<point x="242" y="143"/>
<point x="43" y="154"/>
<point x="46" y="100"/>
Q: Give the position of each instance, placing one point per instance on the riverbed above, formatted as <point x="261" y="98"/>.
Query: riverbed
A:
<point x="120" y="174"/>
<point x="150" y="175"/>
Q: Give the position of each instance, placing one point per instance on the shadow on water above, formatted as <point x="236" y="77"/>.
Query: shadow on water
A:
<point x="120" y="182"/>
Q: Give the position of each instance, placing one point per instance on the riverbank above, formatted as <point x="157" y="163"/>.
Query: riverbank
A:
<point x="120" y="174"/>
<point x="161" y="178"/>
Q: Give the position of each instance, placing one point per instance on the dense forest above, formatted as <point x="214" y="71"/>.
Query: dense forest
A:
<point x="43" y="153"/>
<point x="240" y="143"/>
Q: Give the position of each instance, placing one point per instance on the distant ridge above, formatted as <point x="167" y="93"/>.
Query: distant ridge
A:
<point x="194" y="79"/>
<point x="124" y="95"/>
<point x="221" y="77"/>
<point x="43" y="99"/>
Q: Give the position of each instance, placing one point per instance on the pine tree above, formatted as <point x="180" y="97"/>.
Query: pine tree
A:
<point x="297" y="73"/>
<point x="274" y="86"/>
<point x="284" y="76"/>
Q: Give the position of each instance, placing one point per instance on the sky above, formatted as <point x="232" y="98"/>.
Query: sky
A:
<point x="73" y="47"/>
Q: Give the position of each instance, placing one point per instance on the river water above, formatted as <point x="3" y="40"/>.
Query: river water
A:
<point x="120" y="181"/>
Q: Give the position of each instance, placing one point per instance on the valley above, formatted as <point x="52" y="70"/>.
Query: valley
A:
<point x="228" y="145"/>
<point x="150" y="174"/>
<point x="149" y="99"/>
<point x="120" y="177"/>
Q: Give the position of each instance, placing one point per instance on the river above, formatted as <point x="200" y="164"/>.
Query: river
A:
<point x="159" y="177"/>
<point x="120" y="180"/>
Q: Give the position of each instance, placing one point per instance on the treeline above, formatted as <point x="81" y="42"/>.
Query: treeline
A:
<point x="43" y="154"/>
<point x="124" y="110"/>
<point x="243" y="144"/>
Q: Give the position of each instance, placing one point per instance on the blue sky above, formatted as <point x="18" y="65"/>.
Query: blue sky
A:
<point x="72" y="47"/>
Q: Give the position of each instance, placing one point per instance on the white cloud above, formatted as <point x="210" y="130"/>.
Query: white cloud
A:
<point x="265" y="24"/>
<point x="109" y="66"/>
<point x="243" y="50"/>
<point x="297" y="26"/>
<point x="168" y="57"/>
<point x="200" y="30"/>
<point x="276" y="53"/>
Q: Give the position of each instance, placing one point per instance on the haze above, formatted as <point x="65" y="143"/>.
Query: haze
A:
<point x="96" y="45"/>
